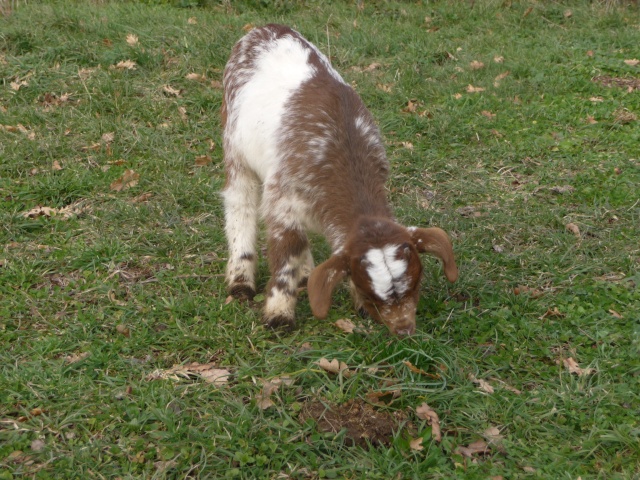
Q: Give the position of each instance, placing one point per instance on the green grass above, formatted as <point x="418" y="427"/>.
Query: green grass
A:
<point x="136" y="282"/>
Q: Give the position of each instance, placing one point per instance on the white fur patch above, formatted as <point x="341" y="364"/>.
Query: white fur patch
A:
<point x="387" y="273"/>
<point x="281" y="67"/>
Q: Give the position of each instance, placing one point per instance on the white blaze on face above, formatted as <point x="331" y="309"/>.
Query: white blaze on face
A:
<point x="387" y="273"/>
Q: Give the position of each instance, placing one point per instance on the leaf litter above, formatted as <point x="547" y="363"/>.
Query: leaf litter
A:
<point x="206" y="371"/>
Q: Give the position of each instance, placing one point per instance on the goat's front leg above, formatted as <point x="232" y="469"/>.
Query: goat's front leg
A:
<point x="241" y="208"/>
<point x="289" y="257"/>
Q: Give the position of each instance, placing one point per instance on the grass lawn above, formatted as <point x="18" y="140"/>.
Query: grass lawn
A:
<point x="514" y="126"/>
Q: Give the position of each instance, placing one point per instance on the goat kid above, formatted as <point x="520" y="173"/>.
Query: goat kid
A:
<point x="303" y="152"/>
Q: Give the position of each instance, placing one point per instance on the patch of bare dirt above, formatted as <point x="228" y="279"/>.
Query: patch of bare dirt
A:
<point x="364" y="424"/>
<point x="628" y="83"/>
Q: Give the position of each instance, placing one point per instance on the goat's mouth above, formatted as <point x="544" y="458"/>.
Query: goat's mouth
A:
<point x="400" y="318"/>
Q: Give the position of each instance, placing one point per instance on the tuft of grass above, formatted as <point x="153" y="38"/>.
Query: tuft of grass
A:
<point x="502" y="156"/>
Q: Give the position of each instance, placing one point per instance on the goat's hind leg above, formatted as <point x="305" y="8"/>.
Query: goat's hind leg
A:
<point x="289" y="258"/>
<point x="241" y="207"/>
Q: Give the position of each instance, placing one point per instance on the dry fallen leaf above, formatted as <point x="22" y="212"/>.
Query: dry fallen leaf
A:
<point x="573" y="367"/>
<point x="345" y="325"/>
<point x="457" y="96"/>
<point x="472" y="89"/>
<point x="614" y="313"/>
<point x="48" y="212"/>
<point x="56" y="165"/>
<point x="76" y="357"/>
<point x="476" y="65"/>
<point x="492" y="434"/>
<point x="416" y="444"/>
<point x="248" y="27"/>
<point x="482" y="384"/>
<point x="532" y="292"/>
<point x="192" y="21"/>
<point x="552" y="313"/>
<point x="425" y="412"/>
<point x="498" y="59"/>
<point x="591" y="120"/>
<point x="125" y="65"/>
<point x="335" y="366"/>
<point x="596" y="99"/>
<point x="169" y="90"/>
<point x="196" y="77"/>
<point x="108" y="137"/>
<point x="18" y="84"/>
<point x="476" y="447"/>
<point x="37" y="445"/>
<point x="499" y="78"/>
<point x="263" y="399"/>
<point x="202" y="160"/>
<point x="127" y="180"/>
<point x="207" y="371"/>
<point x="132" y="39"/>
<point x="123" y="329"/>
<point x="573" y="228"/>
<point x="411" y="107"/>
<point x="488" y="114"/>
<point x="632" y="62"/>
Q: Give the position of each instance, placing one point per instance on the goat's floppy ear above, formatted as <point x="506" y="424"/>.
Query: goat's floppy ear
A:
<point x="435" y="241"/>
<point x="322" y="281"/>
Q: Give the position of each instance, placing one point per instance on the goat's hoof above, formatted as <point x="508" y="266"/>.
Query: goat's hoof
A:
<point x="280" y="322"/>
<point x="242" y="291"/>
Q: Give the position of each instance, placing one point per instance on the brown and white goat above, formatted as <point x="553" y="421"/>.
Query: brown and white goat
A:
<point x="302" y="151"/>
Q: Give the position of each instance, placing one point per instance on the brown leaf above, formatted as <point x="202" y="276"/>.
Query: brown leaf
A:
<point x="596" y="99"/>
<point x="345" y="325"/>
<point x="207" y="371"/>
<point x="248" y="27"/>
<point x="63" y="213"/>
<point x="202" y="160"/>
<point x="125" y="65"/>
<point x="590" y="53"/>
<point x="482" y="384"/>
<point x="123" y="329"/>
<point x="192" y="21"/>
<point x="196" y="77"/>
<point x="457" y="96"/>
<point x="169" y="90"/>
<point x="108" y="137"/>
<point x="573" y="367"/>
<point x="263" y="399"/>
<point x="425" y="412"/>
<point x="472" y="89"/>
<point x="632" y="62"/>
<point x="411" y="107"/>
<point x="614" y="313"/>
<point x="56" y="165"/>
<point x="476" y="65"/>
<point x="128" y="180"/>
<point x="532" y="292"/>
<point x="552" y="313"/>
<point x="143" y="197"/>
<point x="132" y="39"/>
<point x="476" y="447"/>
<point x="573" y="228"/>
<point x="591" y="120"/>
<point x="492" y="434"/>
<point x="499" y="78"/>
<point x="498" y="59"/>
<point x="568" y="14"/>
<point x="76" y="357"/>
<point x="488" y="114"/>
<point x="416" y="444"/>
<point x="334" y="366"/>
<point x="37" y="445"/>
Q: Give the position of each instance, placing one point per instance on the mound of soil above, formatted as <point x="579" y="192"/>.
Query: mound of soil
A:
<point x="364" y="424"/>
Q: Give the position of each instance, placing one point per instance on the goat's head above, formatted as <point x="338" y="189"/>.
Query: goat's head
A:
<point x="383" y="263"/>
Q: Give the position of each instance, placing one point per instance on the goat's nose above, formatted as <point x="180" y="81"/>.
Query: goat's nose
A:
<point x="405" y="331"/>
